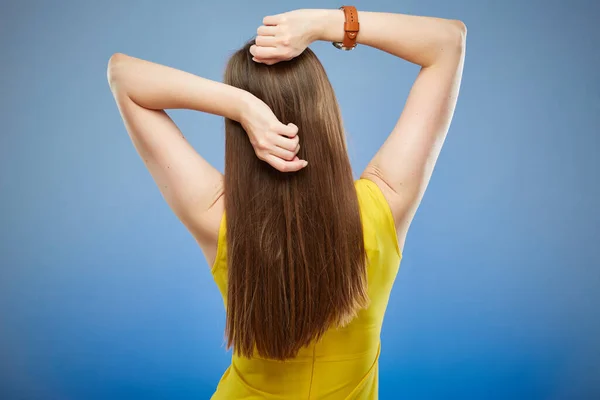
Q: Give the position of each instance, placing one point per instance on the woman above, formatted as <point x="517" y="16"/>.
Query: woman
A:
<point x="304" y="256"/>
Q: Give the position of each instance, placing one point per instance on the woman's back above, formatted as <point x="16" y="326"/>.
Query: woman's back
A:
<point x="307" y="251"/>
<point x="343" y="363"/>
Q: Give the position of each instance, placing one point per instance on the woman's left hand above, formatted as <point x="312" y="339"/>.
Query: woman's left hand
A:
<point x="285" y="36"/>
<point x="273" y="142"/>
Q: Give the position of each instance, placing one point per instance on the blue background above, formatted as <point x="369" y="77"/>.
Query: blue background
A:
<point x="104" y="294"/>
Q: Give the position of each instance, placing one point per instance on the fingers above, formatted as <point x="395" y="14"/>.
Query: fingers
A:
<point x="267" y="61"/>
<point x="286" y="166"/>
<point x="281" y="149"/>
<point x="265" y="41"/>
<point x="289" y="130"/>
<point x="266" y="37"/>
<point x="291" y="144"/>
<point x="271" y="20"/>
<point x="266" y="30"/>
<point x="280" y="146"/>
<point x="284" y="154"/>
<point x="260" y="52"/>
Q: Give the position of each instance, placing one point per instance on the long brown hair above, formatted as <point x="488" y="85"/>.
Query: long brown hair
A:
<point x="296" y="257"/>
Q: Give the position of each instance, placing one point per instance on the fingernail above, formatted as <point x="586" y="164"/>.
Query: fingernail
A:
<point x="305" y="163"/>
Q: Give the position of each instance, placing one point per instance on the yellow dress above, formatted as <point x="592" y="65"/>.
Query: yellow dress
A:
<point x="343" y="364"/>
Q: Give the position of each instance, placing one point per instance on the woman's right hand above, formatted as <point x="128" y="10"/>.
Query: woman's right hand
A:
<point x="285" y="36"/>
<point x="273" y="142"/>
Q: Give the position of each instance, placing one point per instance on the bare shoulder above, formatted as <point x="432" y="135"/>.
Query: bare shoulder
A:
<point x="398" y="205"/>
<point x="206" y="229"/>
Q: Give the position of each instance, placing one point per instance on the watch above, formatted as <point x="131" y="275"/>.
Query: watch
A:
<point x="351" y="27"/>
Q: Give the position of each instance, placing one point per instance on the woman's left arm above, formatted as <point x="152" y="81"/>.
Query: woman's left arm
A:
<point x="189" y="184"/>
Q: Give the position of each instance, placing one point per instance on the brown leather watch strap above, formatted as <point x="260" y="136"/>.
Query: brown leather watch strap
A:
<point x="351" y="26"/>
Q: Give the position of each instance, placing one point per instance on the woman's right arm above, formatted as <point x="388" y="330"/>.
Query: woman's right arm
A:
<point x="404" y="164"/>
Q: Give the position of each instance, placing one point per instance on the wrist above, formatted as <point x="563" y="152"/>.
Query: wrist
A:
<point x="329" y="25"/>
<point x="247" y="104"/>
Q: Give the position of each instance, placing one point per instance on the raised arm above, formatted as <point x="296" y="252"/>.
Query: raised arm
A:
<point x="404" y="164"/>
<point x="189" y="184"/>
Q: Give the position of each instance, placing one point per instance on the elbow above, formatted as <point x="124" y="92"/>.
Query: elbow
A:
<point x="114" y="70"/>
<point x="459" y="26"/>
<point x="452" y="42"/>
<point x="458" y="35"/>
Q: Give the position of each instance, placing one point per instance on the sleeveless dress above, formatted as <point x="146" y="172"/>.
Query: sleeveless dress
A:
<point x="344" y="363"/>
